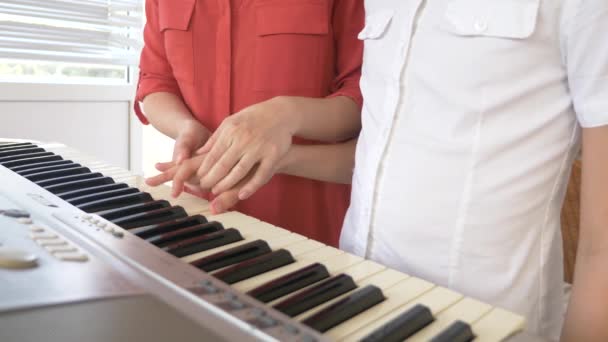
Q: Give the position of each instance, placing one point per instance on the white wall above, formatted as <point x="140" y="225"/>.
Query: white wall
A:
<point x="96" y="119"/>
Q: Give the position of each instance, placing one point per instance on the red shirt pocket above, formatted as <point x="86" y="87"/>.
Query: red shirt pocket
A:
<point x="174" y="21"/>
<point x="293" y="46"/>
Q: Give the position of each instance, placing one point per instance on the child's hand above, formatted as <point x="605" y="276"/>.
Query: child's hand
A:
<point x="183" y="175"/>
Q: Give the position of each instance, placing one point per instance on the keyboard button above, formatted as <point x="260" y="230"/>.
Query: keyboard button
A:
<point x="17" y="258"/>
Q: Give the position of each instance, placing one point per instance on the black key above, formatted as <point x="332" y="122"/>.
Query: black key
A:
<point x="67" y="179"/>
<point x="91" y="190"/>
<point x="190" y="221"/>
<point x="65" y="164"/>
<point x="289" y="283"/>
<point x="345" y="309"/>
<point x="204" y="243"/>
<point x="33" y="167"/>
<point x="30" y="160"/>
<point x="174" y="236"/>
<point x="151" y="217"/>
<point x="25" y="156"/>
<point x="316" y="295"/>
<point x="8" y="146"/>
<point x="113" y="214"/>
<point x="79" y="184"/>
<point x="102" y="195"/>
<point x="115" y="202"/>
<point x="232" y="256"/>
<point x="403" y="326"/>
<point x="255" y="266"/>
<point x="20" y="151"/>
<point x="458" y="331"/>
<point x="76" y="170"/>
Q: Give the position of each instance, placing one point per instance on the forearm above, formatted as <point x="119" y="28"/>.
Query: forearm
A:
<point x="329" y="163"/>
<point x="322" y="119"/>
<point x="588" y="310"/>
<point x="167" y="113"/>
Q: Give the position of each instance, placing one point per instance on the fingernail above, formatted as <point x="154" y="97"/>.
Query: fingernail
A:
<point x="244" y="195"/>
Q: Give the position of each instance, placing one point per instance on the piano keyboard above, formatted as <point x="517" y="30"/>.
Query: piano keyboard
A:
<point x="340" y="296"/>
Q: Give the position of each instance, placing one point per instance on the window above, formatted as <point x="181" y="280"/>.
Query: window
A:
<point x="69" y="41"/>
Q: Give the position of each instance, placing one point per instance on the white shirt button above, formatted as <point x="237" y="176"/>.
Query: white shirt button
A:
<point x="480" y="25"/>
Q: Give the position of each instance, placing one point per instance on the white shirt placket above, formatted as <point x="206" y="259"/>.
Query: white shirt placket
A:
<point x="395" y="97"/>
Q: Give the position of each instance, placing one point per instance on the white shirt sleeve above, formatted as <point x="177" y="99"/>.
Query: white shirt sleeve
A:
<point x="584" y="41"/>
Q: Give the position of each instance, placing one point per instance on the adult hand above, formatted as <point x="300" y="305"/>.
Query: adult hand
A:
<point x="258" y="136"/>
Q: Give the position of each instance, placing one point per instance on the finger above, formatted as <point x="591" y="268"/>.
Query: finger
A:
<point x="224" y="201"/>
<point x="194" y="190"/>
<point x="209" y="144"/>
<point x="262" y="175"/>
<point x="184" y="173"/>
<point x="222" y="168"/>
<point x="162" y="167"/>
<point x="238" y="173"/>
<point x="161" y="178"/>
<point x="219" y="148"/>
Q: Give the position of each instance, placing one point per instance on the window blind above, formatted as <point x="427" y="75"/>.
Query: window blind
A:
<point x="81" y="31"/>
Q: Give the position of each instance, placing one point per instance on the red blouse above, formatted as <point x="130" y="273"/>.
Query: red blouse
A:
<point x="221" y="56"/>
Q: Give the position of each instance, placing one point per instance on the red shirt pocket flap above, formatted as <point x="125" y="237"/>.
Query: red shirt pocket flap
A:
<point x="175" y="14"/>
<point x="301" y="18"/>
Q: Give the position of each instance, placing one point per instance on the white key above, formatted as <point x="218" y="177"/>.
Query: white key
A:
<point x="233" y="219"/>
<point x="497" y="325"/>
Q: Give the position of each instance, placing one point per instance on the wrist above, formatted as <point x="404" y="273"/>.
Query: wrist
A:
<point x="285" y="164"/>
<point x="288" y="110"/>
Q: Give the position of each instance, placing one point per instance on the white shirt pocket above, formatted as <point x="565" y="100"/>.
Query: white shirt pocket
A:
<point x="503" y="19"/>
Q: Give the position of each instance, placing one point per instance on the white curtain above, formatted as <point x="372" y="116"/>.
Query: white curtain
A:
<point x="81" y="31"/>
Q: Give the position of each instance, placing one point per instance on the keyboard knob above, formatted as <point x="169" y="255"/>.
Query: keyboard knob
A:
<point x="17" y="258"/>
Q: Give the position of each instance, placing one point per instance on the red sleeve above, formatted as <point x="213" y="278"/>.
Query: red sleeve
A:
<point x="155" y="73"/>
<point x="348" y="20"/>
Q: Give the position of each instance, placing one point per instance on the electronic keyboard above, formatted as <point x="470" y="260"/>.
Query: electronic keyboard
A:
<point x="89" y="252"/>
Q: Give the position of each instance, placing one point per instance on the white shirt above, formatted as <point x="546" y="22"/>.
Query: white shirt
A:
<point x="471" y="121"/>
